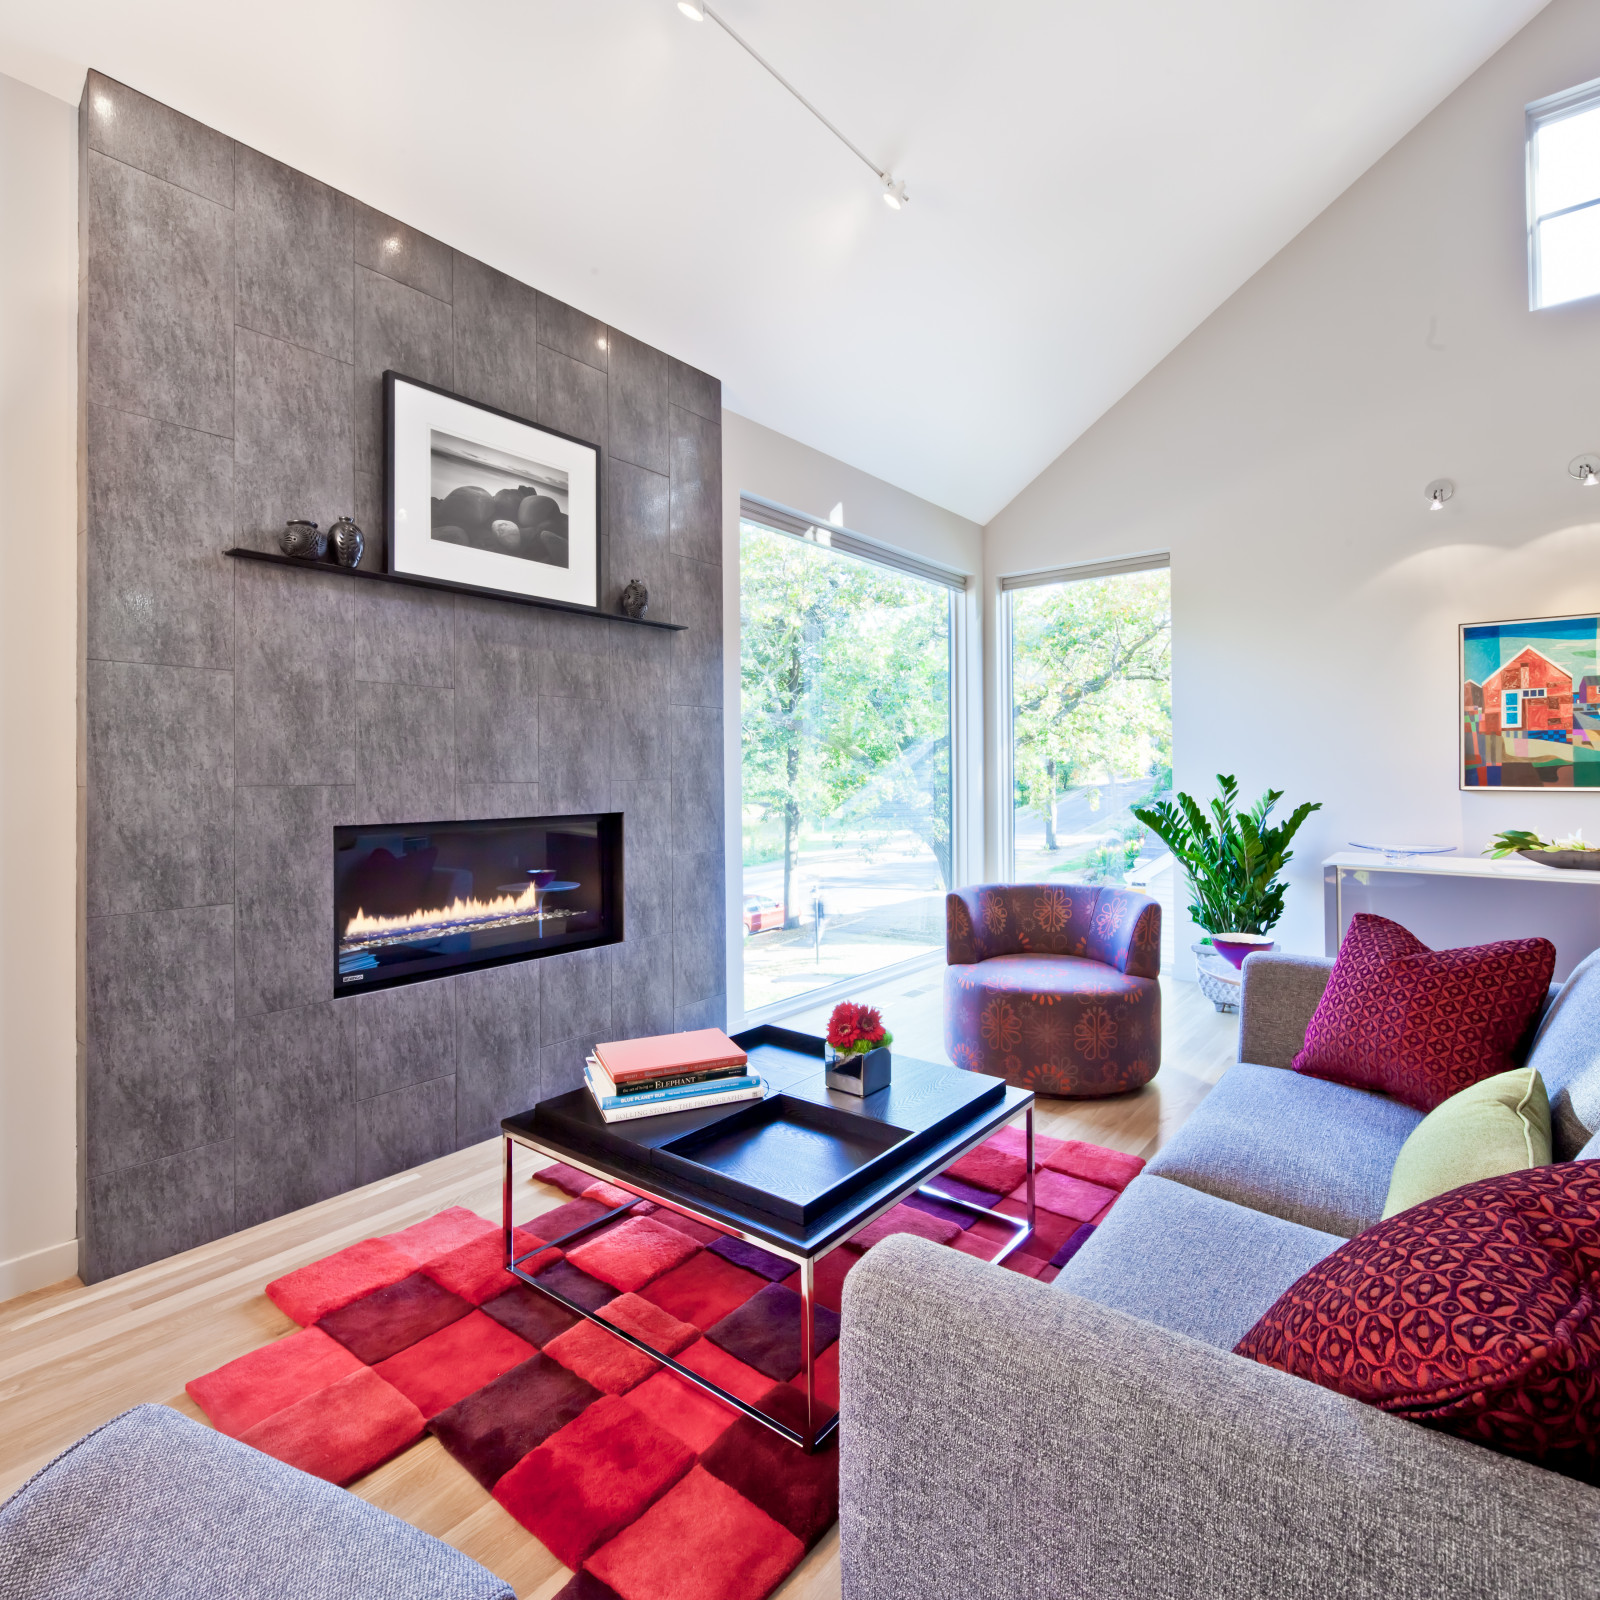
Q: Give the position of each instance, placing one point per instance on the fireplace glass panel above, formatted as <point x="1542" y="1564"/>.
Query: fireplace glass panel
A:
<point x="418" y="900"/>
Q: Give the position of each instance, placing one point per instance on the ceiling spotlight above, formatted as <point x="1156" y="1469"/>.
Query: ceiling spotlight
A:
<point x="1438" y="492"/>
<point x="695" y="13"/>
<point x="1586" y="469"/>
<point x="894" y="193"/>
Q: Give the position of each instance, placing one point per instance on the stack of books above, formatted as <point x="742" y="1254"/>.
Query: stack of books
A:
<point x="672" y="1072"/>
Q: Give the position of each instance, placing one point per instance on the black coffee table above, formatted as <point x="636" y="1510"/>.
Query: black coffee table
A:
<point x="796" y="1172"/>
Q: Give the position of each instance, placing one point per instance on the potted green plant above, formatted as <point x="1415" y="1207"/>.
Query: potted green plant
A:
<point x="1233" y="859"/>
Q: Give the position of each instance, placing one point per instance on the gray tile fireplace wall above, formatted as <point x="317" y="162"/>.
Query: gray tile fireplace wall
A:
<point x="237" y="316"/>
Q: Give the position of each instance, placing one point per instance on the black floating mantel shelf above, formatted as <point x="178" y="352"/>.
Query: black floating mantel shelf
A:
<point x="299" y="564"/>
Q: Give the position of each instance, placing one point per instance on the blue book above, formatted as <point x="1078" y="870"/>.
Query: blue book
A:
<point x="709" y="1093"/>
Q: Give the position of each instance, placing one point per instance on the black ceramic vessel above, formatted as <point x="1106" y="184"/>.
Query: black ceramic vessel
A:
<point x="348" y="542"/>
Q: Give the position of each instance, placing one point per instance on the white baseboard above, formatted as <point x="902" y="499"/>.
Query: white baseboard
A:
<point x="24" y="1274"/>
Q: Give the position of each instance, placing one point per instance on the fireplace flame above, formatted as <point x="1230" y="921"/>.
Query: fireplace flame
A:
<point x="458" y="917"/>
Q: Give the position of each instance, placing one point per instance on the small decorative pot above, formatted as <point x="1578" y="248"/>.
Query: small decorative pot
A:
<point x="1235" y="947"/>
<point x="859" y="1072"/>
<point x="1219" y="979"/>
<point x="348" y="542"/>
<point x="635" y="600"/>
<point x="303" y="539"/>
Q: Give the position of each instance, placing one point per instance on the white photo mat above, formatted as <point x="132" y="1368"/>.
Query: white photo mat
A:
<point x="416" y="414"/>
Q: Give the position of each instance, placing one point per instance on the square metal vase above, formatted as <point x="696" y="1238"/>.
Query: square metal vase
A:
<point x="862" y="1075"/>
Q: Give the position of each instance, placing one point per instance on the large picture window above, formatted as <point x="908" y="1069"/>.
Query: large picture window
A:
<point x="1089" y="669"/>
<point x="847" y="814"/>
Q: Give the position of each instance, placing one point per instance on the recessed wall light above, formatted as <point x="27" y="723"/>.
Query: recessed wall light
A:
<point x="103" y="105"/>
<point x="1438" y="492"/>
<point x="601" y="343"/>
<point x="392" y="245"/>
<point x="1586" y="469"/>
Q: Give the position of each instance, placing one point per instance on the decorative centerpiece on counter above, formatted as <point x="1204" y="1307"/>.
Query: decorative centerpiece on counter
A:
<point x="857" y="1049"/>
<point x="303" y="539"/>
<point x="1573" y="853"/>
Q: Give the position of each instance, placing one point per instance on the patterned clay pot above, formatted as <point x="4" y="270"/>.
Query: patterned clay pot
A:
<point x="303" y="539"/>
<point x="1220" y="981"/>
<point x="348" y="542"/>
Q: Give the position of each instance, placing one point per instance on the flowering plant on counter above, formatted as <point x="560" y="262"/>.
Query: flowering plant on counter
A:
<point x="1515" y="840"/>
<point x="854" y="1030"/>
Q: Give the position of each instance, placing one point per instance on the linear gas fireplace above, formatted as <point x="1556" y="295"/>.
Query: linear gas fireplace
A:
<point x="418" y="900"/>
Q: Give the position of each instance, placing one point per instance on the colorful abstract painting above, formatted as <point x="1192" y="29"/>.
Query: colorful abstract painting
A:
<point x="1530" y="704"/>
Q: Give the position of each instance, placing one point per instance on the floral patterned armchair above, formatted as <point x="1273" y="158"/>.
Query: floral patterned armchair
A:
<point x="1053" y="987"/>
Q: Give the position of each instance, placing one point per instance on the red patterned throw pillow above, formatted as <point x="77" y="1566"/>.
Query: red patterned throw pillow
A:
<point x="1423" y="1024"/>
<point x="1474" y="1313"/>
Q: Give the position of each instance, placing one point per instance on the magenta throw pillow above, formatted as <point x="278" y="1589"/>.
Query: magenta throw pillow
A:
<point x="1423" y="1024"/>
<point x="1475" y="1313"/>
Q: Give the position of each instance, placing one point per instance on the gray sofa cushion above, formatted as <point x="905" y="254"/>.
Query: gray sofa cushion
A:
<point x="1187" y="1261"/>
<point x="153" y="1506"/>
<point x="1311" y="1152"/>
<point x="1278" y="996"/>
<point x="1566" y="1051"/>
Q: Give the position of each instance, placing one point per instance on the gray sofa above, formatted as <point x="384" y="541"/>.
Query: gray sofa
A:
<point x="1096" y="1437"/>
<point x="152" y="1506"/>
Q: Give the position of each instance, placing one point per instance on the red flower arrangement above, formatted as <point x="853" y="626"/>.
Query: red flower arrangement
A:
<point x="854" y="1030"/>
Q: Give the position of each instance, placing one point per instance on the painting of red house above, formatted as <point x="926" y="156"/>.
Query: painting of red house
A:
<point x="1530" y="694"/>
<point x="1530" y="704"/>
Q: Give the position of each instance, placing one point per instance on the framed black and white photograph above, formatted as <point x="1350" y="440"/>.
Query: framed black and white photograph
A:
<point x="481" y="497"/>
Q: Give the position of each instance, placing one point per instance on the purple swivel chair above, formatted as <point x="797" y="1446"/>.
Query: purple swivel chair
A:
<point x="1053" y="987"/>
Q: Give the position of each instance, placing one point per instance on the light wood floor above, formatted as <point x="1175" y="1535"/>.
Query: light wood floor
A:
<point x="72" y="1357"/>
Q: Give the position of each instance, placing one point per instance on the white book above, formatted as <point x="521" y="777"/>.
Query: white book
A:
<point x="658" y="1108"/>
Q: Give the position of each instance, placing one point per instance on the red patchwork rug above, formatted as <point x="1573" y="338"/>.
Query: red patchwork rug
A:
<point x="645" y="1485"/>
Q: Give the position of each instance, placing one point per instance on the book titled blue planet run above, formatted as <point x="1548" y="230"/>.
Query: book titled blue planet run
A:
<point x="689" y="1097"/>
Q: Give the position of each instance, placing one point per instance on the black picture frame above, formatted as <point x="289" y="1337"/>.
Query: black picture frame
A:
<point x="526" y="553"/>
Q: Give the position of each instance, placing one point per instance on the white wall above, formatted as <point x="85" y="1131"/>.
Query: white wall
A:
<point x="38" y="687"/>
<point x="757" y="461"/>
<point x="1281" y="453"/>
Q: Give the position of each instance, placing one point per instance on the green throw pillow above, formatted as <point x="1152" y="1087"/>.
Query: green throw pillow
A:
<point x="1501" y="1124"/>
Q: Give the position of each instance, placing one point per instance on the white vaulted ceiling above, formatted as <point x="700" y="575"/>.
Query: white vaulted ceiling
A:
<point x="1088" y="181"/>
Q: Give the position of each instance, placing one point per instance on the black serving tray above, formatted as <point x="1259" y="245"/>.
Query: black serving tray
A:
<point x="795" y="1162"/>
<point x="793" y="1157"/>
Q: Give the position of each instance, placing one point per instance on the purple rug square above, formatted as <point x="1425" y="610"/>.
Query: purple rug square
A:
<point x="945" y="1184"/>
<point x="387" y="1321"/>
<point x="585" y="1586"/>
<point x="937" y="1208"/>
<point x="764" y="1332"/>
<point x="578" y="1287"/>
<point x="549" y="1226"/>
<point x="496" y="1426"/>
<point x="1075" y="1242"/>
<point x="530" y="1315"/>
<point x="754" y="1259"/>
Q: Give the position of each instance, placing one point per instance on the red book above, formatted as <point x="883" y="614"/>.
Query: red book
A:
<point x="668" y="1054"/>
